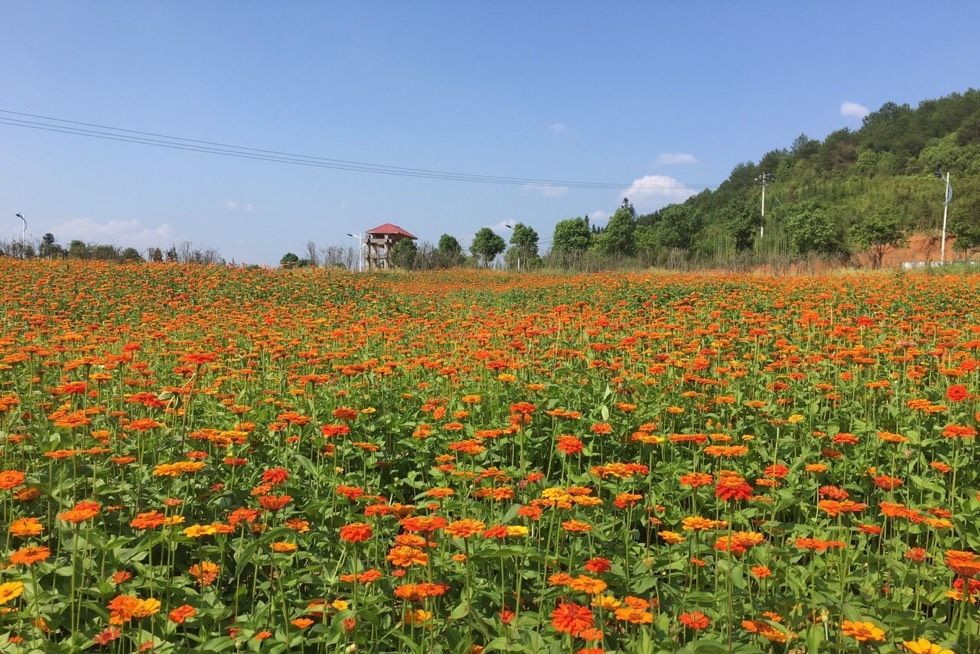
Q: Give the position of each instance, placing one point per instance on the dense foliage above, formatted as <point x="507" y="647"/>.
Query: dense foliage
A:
<point x="218" y="459"/>
<point x="823" y="193"/>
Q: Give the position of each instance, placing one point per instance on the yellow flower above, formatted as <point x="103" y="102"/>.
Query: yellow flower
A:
<point x="10" y="591"/>
<point x="517" y="531"/>
<point x="339" y="604"/>
<point x="606" y="602"/>
<point x="795" y="418"/>
<point x="199" y="531"/>
<point x="923" y="646"/>
<point x="144" y="608"/>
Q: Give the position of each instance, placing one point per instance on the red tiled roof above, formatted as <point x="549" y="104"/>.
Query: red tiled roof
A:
<point x="390" y="230"/>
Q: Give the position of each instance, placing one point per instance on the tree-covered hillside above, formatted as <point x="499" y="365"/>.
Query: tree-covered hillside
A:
<point x="838" y="196"/>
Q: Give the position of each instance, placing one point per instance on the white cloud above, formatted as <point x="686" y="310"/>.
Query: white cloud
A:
<point x="675" y="158"/>
<point x="115" y="232"/>
<point x="235" y="205"/>
<point x="853" y="110"/>
<point x="557" y="128"/>
<point x="547" y="190"/>
<point x="652" y="192"/>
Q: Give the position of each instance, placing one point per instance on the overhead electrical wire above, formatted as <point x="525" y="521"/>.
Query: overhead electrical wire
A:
<point x="154" y="139"/>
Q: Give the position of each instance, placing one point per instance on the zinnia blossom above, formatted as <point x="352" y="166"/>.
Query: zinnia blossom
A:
<point x="10" y="591"/>
<point x="694" y="620"/>
<point x="30" y="555"/>
<point x="26" y="527"/>
<point x="355" y="532"/>
<point x="923" y="646"/>
<point x="182" y="613"/>
<point x="571" y="618"/>
<point x="11" y="479"/>
<point x="862" y="631"/>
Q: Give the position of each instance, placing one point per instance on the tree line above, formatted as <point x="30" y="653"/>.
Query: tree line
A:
<point x="49" y="248"/>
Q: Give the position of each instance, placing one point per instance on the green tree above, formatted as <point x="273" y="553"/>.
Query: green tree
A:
<point x="403" y="253"/>
<point x="155" y="255"/>
<point x="78" y="249"/>
<point x="49" y="248"/>
<point x="487" y="245"/>
<point x="965" y="224"/>
<point x="878" y="232"/>
<point x="523" y="252"/>
<point x="812" y="230"/>
<point x="571" y="236"/>
<point x="131" y="255"/>
<point x="289" y="260"/>
<point x="617" y="239"/>
<point x="449" y="253"/>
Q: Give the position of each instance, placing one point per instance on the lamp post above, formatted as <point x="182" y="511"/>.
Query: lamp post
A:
<point x="24" y="236"/>
<point x="947" y="198"/>
<point x="511" y="227"/>
<point x="764" y="179"/>
<point x="360" y="250"/>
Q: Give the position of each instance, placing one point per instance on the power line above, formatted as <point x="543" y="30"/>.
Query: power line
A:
<point x="54" y="124"/>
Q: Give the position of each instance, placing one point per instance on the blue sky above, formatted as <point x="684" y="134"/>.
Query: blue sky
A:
<point x="664" y="98"/>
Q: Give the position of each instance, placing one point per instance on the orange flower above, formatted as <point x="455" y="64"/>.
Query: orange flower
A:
<point x="965" y="564"/>
<point x="571" y="619"/>
<point x="10" y="479"/>
<point x="124" y="608"/>
<point x="694" y="620"/>
<point x="419" y="592"/>
<point x="30" y="555"/>
<point x="182" y="613"/>
<point x="84" y="510"/>
<point x="26" y="527"/>
<point x="862" y="631"/>
<point x="274" y="502"/>
<point x="355" y="532"/>
<point x="731" y="487"/>
<point x="205" y="572"/>
<point x="464" y="528"/>
<point x="569" y="445"/>
<point x="404" y="557"/>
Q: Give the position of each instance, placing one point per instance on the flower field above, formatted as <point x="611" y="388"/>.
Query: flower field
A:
<point x="208" y="459"/>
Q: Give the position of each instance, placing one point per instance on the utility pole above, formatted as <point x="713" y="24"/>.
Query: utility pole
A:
<point x="947" y="198"/>
<point x="764" y="179"/>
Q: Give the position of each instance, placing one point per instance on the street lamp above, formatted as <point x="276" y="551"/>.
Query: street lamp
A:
<point x="360" y="250"/>
<point x="764" y="179"/>
<point x="947" y="198"/>
<point x="24" y="238"/>
<point x="511" y="226"/>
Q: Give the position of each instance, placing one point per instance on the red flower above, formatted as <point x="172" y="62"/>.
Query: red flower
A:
<point x="274" y="502"/>
<point x="957" y="393"/>
<point x="694" y="620"/>
<point x="355" y="532"/>
<point x="182" y="613"/>
<point x="275" y="476"/>
<point x="571" y="618"/>
<point x="732" y="488"/>
<point x="598" y="565"/>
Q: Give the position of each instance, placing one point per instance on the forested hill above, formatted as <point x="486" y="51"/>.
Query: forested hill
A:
<point x="838" y="195"/>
